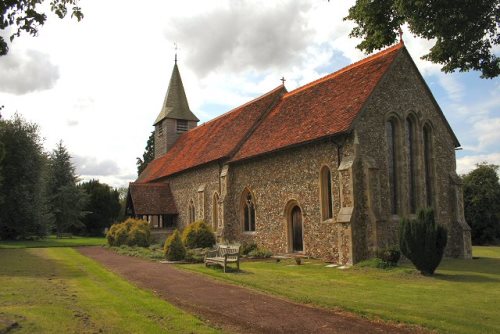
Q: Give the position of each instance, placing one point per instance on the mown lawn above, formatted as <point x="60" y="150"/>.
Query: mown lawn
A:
<point x="463" y="296"/>
<point x="52" y="241"/>
<point x="58" y="290"/>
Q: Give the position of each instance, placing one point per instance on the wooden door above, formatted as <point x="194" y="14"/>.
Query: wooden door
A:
<point x="297" y="240"/>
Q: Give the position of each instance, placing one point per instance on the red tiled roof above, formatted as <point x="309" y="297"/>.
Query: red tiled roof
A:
<point x="211" y="141"/>
<point x="152" y="199"/>
<point x="322" y="108"/>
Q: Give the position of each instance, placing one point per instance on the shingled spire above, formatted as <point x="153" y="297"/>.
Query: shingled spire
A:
<point x="176" y="104"/>
<point x="175" y="116"/>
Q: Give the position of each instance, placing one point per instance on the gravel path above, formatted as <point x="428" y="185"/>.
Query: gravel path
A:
<point x="232" y="308"/>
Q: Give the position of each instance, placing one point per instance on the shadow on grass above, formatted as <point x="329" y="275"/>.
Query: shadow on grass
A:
<point x="31" y="263"/>
<point x="229" y="270"/>
<point x="465" y="278"/>
<point x="483" y="265"/>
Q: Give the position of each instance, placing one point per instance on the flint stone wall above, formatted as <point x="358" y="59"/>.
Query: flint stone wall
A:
<point x="402" y="93"/>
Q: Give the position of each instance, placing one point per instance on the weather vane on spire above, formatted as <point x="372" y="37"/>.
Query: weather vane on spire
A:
<point x="176" y="48"/>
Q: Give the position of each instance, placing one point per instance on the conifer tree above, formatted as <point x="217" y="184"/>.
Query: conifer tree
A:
<point x="22" y="213"/>
<point x="148" y="155"/>
<point x="65" y="200"/>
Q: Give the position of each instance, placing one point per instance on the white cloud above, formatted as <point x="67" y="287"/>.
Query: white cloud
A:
<point x="28" y="71"/>
<point x="86" y="165"/>
<point x="467" y="163"/>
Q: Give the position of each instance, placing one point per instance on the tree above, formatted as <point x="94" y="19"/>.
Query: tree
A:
<point x="465" y="32"/>
<point x="22" y="214"/>
<point x="423" y="241"/>
<point x="148" y="156"/>
<point x="27" y="16"/>
<point x="102" y="208"/>
<point x="482" y="203"/>
<point x="66" y="201"/>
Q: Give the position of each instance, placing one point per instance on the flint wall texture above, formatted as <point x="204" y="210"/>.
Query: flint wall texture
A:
<point x="400" y="95"/>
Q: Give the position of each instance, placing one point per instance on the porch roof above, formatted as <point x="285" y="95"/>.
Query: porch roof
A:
<point x="152" y="199"/>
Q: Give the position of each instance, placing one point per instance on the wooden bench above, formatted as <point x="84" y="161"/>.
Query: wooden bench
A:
<point x="64" y="235"/>
<point x="223" y="255"/>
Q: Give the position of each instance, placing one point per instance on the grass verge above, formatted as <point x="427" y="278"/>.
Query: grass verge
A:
<point x="58" y="290"/>
<point x="461" y="298"/>
<point x="52" y="241"/>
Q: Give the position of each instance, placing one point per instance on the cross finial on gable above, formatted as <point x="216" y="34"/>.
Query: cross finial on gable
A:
<point x="401" y="35"/>
<point x="283" y="80"/>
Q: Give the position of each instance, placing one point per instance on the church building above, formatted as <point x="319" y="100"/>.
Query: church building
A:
<point x="325" y="170"/>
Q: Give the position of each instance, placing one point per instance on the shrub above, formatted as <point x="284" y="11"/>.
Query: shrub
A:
<point x="247" y="247"/>
<point x="132" y="232"/>
<point x="174" y="248"/>
<point x="139" y="234"/>
<point x="260" y="253"/>
<point x="198" y="235"/>
<point x="390" y="255"/>
<point x="196" y="255"/>
<point x="422" y="241"/>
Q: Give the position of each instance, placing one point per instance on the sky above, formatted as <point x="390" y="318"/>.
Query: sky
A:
<point x="99" y="84"/>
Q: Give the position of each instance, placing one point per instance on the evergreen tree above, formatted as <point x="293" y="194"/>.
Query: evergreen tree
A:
<point x="102" y="208"/>
<point x="22" y="213"/>
<point x="66" y="201"/>
<point x="482" y="204"/>
<point x="148" y="156"/>
<point x="465" y="33"/>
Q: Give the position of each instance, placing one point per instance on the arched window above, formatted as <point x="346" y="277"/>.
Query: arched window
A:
<point x="325" y="184"/>
<point x="392" y="158"/>
<point x="411" y="160"/>
<point x="215" y="211"/>
<point x="428" y="164"/>
<point x="192" y="212"/>
<point x="248" y="211"/>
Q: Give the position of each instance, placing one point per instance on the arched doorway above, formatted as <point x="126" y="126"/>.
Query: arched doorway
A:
<point x="296" y="234"/>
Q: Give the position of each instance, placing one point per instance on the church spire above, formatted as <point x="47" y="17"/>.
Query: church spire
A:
<point x="176" y="105"/>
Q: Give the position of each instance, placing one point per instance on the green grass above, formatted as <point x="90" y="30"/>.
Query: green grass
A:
<point x="58" y="290"/>
<point x="52" y="241"/>
<point x="462" y="297"/>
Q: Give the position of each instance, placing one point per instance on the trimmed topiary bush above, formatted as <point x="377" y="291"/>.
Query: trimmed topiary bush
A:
<point x="422" y="241"/>
<point x="198" y="235"/>
<point x="139" y="234"/>
<point x="132" y="232"/>
<point x="174" y="248"/>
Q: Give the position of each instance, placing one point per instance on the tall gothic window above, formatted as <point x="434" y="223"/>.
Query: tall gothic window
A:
<point x="411" y="160"/>
<point x="192" y="212"/>
<point x="428" y="164"/>
<point x="248" y="210"/>
<point x="326" y="193"/>
<point x="215" y="211"/>
<point x="392" y="158"/>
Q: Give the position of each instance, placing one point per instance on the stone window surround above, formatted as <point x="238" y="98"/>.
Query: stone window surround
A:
<point x="191" y="212"/>
<point x="326" y="217"/>
<point x="402" y="169"/>
<point x="215" y="211"/>
<point x="243" y="200"/>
